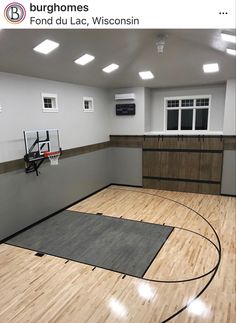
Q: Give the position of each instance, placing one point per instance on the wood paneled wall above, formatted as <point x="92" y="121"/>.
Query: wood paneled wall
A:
<point x="190" y="164"/>
<point x="180" y="163"/>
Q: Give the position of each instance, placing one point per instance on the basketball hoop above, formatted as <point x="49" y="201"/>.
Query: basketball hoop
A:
<point x="53" y="156"/>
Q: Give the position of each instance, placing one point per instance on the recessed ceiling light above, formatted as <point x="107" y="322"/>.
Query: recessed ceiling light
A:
<point x="231" y="51"/>
<point x="211" y="68"/>
<point x="229" y="38"/>
<point x="46" y="47"/>
<point x="146" y="75"/>
<point x="110" y="68"/>
<point x="85" y="59"/>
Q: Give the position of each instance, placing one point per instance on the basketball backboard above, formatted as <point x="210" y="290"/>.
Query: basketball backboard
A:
<point x="37" y="144"/>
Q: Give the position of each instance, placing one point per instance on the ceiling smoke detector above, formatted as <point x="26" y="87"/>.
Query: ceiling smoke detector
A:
<point x="160" y="43"/>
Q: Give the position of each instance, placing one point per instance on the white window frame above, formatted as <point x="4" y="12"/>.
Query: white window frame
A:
<point x="91" y="109"/>
<point x="194" y="108"/>
<point x="50" y="96"/>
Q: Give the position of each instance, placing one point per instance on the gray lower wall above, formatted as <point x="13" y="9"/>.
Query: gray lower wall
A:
<point x="228" y="185"/>
<point x="26" y="198"/>
<point x="126" y="166"/>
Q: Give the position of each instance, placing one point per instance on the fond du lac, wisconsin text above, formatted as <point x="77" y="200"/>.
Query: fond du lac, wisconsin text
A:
<point x="93" y="21"/>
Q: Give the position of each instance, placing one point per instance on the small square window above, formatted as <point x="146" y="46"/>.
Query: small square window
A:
<point x="88" y="104"/>
<point x="49" y="102"/>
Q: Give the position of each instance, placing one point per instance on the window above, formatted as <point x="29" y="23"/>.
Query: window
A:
<point x="202" y="102"/>
<point x="187" y="113"/>
<point x="173" y="103"/>
<point x="49" y="102"/>
<point x="187" y="103"/>
<point x="172" y="119"/>
<point x="187" y="119"/>
<point x="88" y="104"/>
<point x="201" y="119"/>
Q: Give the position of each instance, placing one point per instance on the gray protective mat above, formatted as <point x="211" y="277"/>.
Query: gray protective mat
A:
<point x="116" y="244"/>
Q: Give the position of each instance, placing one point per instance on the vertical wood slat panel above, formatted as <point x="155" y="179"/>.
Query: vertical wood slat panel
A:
<point x="199" y="166"/>
<point x="211" y="166"/>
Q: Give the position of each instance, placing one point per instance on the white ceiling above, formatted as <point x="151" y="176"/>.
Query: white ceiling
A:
<point x="134" y="50"/>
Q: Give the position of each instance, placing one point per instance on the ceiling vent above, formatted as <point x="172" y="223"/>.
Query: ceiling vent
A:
<point x="160" y="43"/>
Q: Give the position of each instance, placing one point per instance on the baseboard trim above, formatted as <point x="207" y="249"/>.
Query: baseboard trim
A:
<point x="187" y="180"/>
<point x="127" y="185"/>
<point x="229" y="195"/>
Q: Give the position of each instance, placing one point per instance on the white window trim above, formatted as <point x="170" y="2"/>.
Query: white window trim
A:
<point x="194" y="107"/>
<point x="86" y="98"/>
<point x="51" y="96"/>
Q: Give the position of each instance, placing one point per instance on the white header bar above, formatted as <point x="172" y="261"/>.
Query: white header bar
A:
<point x="117" y="14"/>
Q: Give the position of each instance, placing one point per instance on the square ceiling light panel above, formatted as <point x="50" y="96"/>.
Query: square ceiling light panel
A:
<point x="229" y="38"/>
<point x="146" y="75"/>
<point x="46" y="47"/>
<point x="110" y="68"/>
<point x="231" y="51"/>
<point x="85" y="59"/>
<point x="211" y="68"/>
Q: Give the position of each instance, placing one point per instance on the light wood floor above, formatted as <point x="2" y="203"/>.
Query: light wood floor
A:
<point x="48" y="289"/>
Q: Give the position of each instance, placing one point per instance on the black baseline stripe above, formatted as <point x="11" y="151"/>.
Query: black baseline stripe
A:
<point x="182" y="180"/>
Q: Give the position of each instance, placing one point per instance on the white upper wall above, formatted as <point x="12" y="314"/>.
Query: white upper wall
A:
<point x="147" y="110"/>
<point x="230" y="107"/>
<point x="128" y="125"/>
<point x="20" y="99"/>
<point x="217" y="104"/>
<point x="21" y="103"/>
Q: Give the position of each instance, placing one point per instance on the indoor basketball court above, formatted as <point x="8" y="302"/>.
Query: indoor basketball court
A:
<point x="117" y="176"/>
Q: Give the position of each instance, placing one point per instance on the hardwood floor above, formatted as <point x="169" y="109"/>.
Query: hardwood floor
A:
<point x="49" y="289"/>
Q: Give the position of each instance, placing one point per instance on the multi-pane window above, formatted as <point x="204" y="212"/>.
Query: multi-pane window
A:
<point x="187" y="113"/>
<point x="88" y="104"/>
<point x="202" y="102"/>
<point x="49" y="102"/>
<point x="187" y="103"/>
<point x="173" y="103"/>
